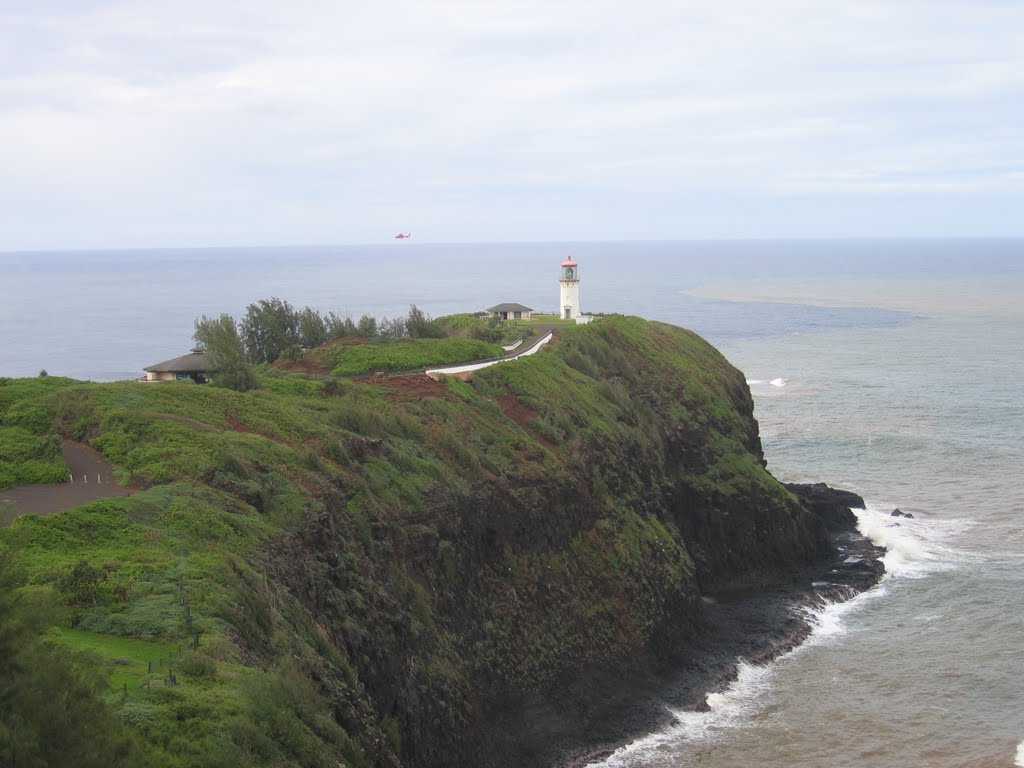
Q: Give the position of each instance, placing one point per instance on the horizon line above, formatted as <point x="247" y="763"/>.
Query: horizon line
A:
<point x="441" y="243"/>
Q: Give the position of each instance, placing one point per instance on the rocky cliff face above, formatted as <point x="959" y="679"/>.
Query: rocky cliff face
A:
<point x="517" y="605"/>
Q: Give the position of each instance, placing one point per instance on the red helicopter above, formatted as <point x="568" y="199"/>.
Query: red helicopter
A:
<point x="400" y="236"/>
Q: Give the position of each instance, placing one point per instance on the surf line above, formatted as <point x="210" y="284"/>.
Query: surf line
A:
<point x="733" y="706"/>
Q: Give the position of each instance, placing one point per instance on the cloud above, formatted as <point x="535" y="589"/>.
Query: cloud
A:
<point x="231" y="122"/>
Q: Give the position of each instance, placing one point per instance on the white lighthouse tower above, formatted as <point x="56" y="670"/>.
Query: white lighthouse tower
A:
<point x="569" y="295"/>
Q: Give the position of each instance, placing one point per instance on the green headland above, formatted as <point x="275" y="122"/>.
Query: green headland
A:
<point x="344" y="569"/>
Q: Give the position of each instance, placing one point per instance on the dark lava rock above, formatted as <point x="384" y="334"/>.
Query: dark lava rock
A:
<point x="757" y="624"/>
<point x="832" y="505"/>
<point x="899" y="513"/>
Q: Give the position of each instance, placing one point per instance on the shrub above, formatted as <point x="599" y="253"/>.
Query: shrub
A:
<point x="28" y="459"/>
<point x="82" y="583"/>
<point x="197" y="664"/>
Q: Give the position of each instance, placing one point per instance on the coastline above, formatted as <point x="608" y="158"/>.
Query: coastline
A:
<point x="755" y="626"/>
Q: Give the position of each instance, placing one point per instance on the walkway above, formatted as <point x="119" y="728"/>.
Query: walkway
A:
<point x="542" y="335"/>
<point x="91" y="478"/>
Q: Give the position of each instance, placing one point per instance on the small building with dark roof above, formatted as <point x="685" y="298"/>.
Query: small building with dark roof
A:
<point x="510" y="311"/>
<point x="191" y="366"/>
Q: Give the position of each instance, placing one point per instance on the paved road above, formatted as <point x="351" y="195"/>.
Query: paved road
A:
<point x="539" y="332"/>
<point x="93" y="479"/>
<point x="466" y="370"/>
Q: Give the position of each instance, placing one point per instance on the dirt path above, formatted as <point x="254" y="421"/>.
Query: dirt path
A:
<point x="93" y="478"/>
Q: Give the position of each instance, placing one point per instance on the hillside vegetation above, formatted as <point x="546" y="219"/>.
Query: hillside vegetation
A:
<point x="357" y="356"/>
<point x="274" y="332"/>
<point x="29" y="444"/>
<point x="335" y="571"/>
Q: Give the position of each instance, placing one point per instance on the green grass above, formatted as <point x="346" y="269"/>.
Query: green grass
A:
<point x="393" y="355"/>
<point x="128" y="659"/>
<point x="483" y="328"/>
<point x="539" y="319"/>
<point x="29" y="447"/>
<point x="20" y="398"/>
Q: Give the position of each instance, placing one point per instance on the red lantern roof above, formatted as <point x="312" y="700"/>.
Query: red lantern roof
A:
<point x="569" y="262"/>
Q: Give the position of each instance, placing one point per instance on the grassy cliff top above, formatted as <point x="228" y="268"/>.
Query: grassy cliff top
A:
<point x="314" y="530"/>
<point x="360" y="356"/>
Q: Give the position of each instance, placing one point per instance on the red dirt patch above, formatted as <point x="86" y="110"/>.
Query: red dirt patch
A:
<point x="410" y="387"/>
<point x="302" y="365"/>
<point x="521" y="415"/>
<point x="515" y="410"/>
<point x="344" y="340"/>
<point x="309" y="364"/>
<point x="237" y="426"/>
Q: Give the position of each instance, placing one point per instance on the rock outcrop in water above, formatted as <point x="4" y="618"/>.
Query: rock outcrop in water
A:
<point x="835" y="507"/>
<point x="506" y="572"/>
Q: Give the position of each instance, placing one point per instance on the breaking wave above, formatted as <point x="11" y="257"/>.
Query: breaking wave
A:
<point x="914" y="547"/>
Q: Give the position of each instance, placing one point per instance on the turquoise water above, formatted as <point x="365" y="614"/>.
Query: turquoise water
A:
<point x="909" y="394"/>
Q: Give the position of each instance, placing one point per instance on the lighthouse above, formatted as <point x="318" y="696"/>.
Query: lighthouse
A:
<point x="569" y="294"/>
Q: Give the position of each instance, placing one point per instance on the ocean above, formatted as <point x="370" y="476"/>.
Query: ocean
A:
<point x="891" y="368"/>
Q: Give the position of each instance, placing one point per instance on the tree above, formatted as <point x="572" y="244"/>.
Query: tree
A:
<point x="419" y="325"/>
<point x="82" y="584"/>
<point x="269" y="327"/>
<point x="391" y="328"/>
<point x="51" y="708"/>
<point x="366" y="327"/>
<point x="225" y="353"/>
<point x="339" y="327"/>
<point x="312" y="328"/>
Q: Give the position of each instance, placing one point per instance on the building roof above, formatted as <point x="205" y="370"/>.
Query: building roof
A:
<point x="569" y="262"/>
<point x="509" y="307"/>
<point x="193" y="362"/>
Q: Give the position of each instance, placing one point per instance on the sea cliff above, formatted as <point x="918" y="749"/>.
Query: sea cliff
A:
<point x="400" y="572"/>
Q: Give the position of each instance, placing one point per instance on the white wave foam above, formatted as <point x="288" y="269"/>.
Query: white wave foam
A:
<point x="1018" y="759"/>
<point x="914" y="547"/>
<point x="746" y="695"/>
<point x="776" y="382"/>
<point x="828" y="620"/>
<point x="726" y="710"/>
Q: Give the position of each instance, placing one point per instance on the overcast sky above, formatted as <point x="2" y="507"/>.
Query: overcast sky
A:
<point x="214" y="122"/>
